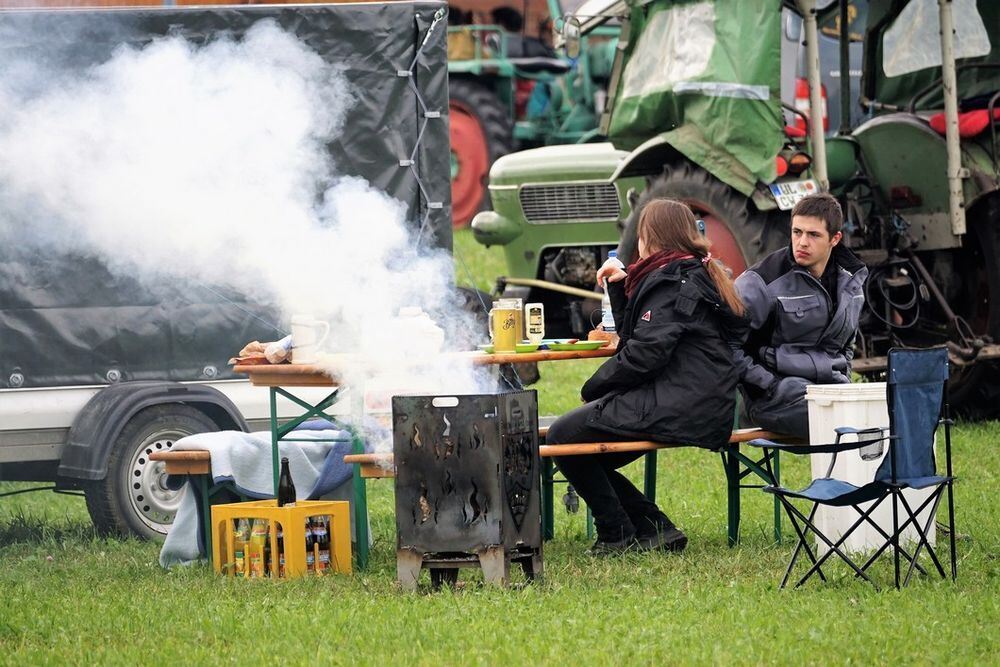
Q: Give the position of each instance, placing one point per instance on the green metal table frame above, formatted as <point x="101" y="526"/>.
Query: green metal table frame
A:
<point x="280" y="431"/>
<point x="736" y="464"/>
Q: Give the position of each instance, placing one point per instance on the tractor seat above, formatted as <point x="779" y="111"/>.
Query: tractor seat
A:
<point x="970" y="123"/>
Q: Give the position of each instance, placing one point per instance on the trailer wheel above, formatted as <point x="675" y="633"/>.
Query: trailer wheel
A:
<point x="133" y="498"/>
<point x="740" y="235"/>
<point x="480" y="131"/>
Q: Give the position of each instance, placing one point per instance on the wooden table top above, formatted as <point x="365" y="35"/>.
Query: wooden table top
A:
<point x="306" y="375"/>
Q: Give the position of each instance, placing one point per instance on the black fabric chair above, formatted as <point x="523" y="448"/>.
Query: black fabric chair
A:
<point x="917" y="397"/>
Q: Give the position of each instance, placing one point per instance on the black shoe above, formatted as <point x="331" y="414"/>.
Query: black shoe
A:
<point x="604" y="548"/>
<point x="666" y="538"/>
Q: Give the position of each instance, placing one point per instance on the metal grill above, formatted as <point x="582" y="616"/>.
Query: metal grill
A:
<point x="578" y="201"/>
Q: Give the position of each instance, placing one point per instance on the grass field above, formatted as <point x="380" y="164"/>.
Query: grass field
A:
<point x="67" y="596"/>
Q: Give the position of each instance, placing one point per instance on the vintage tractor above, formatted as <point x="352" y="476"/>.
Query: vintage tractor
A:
<point x="510" y="90"/>
<point x="695" y="113"/>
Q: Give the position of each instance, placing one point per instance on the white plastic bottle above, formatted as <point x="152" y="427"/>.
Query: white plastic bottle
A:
<point x="607" y="317"/>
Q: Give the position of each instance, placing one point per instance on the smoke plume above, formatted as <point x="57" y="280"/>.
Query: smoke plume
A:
<point x="209" y="164"/>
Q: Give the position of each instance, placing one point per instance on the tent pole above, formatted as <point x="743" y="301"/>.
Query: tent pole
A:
<point x="817" y="136"/>
<point x="956" y="200"/>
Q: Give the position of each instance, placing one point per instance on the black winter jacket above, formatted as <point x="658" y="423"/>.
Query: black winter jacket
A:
<point x="673" y="378"/>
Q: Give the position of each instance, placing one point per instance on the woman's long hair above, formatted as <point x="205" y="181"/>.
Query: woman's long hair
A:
<point x="665" y="224"/>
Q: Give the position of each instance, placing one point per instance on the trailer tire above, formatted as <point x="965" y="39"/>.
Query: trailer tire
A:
<point x="133" y="499"/>
<point x="481" y="131"/>
<point x="740" y="234"/>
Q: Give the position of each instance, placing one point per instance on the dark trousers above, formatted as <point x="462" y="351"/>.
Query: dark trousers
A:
<point x="620" y="510"/>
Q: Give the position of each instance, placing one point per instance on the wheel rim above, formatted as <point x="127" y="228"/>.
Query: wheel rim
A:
<point x="149" y="497"/>
<point x="470" y="164"/>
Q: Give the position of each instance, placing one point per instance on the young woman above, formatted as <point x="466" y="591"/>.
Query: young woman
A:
<point x="673" y="378"/>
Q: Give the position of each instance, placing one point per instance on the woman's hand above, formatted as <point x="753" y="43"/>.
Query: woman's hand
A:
<point x="611" y="271"/>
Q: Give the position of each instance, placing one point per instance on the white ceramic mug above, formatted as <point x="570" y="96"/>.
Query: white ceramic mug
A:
<point x="308" y="334"/>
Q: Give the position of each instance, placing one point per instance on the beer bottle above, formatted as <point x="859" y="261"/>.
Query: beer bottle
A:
<point x="258" y="538"/>
<point x="268" y="570"/>
<point x="241" y="540"/>
<point x="286" y="490"/>
<point x="322" y="537"/>
<point x="310" y="557"/>
<point x="281" y="551"/>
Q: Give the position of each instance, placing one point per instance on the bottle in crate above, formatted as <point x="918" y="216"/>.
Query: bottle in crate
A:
<point x="240" y="543"/>
<point x="258" y="538"/>
<point x="310" y="550"/>
<point x="281" y="550"/>
<point x="321" y="536"/>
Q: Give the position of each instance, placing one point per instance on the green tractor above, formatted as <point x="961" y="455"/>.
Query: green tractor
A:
<point x="510" y="90"/>
<point x="695" y="113"/>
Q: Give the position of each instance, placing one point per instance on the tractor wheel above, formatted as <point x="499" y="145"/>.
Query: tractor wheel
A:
<point x="975" y="391"/>
<point x="481" y="131"/>
<point x="739" y="234"/>
<point x="134" y="498"/>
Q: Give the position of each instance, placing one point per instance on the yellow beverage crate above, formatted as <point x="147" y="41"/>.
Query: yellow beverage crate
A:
<point x="292" y="520"/>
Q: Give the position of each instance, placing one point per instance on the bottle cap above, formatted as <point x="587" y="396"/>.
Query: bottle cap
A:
<point x="612" y="253"/>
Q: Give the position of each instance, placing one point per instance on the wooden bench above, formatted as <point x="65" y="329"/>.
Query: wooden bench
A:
<point x="737" y="466"/>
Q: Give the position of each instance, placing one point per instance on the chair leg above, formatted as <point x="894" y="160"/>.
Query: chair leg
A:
<point x="803" y="543"/>
<point x="835" y="547"/>
<point x="951" y="528"/>
<point x="888" y="541"/>
<point x="895" y="537"/>
<point x="922" y="533"/>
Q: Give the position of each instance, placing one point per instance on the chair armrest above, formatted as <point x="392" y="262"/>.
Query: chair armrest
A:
<point x="850" y="430"/>
<point x="784" y="447"/>
<point x="831" y="448"/>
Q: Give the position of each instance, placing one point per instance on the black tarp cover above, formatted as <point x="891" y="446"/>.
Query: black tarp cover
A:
<point x="66" y="320"/>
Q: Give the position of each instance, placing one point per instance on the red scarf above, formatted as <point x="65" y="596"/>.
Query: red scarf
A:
<point x="638" y="271"/>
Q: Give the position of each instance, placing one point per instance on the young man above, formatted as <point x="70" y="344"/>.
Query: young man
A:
<point x="803" y="302"/>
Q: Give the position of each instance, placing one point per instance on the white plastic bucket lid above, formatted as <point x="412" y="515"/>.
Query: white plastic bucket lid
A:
<point x="862" y="391"/>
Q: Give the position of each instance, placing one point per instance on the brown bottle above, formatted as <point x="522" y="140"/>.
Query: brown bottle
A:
<point x="286" y="489"/>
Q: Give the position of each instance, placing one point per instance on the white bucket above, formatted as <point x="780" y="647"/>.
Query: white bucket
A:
<point x="860" y="406"/>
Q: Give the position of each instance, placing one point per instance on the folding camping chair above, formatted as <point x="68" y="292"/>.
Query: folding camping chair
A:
<point x="917" y="397"/>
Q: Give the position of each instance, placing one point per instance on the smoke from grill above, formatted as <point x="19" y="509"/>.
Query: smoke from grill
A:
<point x="208" y="163"/>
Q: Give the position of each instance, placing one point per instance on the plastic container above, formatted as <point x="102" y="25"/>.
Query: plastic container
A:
<point x="292" y="521"/>
<point x="607" y="317"/>
<point x="861" y="406"/>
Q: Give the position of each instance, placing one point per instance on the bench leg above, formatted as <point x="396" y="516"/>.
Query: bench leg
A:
<point x="650" y="478"/>
<point x="732" y="466"/>
<point x="360" y="506"/>
<point x="206" y="511"/>
<point x="548" y="499"/>
<point x="777" y="504"/>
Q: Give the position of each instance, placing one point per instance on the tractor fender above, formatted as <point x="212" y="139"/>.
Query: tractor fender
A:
<point x="96" y="427"/>
<point x="650" y="157"/>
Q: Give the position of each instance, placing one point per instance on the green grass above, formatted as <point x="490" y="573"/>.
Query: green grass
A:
<point x="67" y="596"/>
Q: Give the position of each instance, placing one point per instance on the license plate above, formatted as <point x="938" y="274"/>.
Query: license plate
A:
<point x="788" y="194"/>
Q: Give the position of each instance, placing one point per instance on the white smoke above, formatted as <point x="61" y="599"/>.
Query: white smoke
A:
<point x="210" y="163"/>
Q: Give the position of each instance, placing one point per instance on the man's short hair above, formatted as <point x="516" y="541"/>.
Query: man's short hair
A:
<point x="823" y="206"/>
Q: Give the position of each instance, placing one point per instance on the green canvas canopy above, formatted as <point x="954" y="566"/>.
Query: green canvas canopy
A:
<point x="717" y="89"/>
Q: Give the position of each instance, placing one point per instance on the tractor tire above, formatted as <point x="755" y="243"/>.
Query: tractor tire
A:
<point x="480" y="130"/>
<point x="974" y="392"/>
<point x="133" y="498"/>
<point x="740" y="235"/>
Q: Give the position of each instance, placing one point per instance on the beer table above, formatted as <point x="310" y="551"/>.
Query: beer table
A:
<point x="280" y="378"/>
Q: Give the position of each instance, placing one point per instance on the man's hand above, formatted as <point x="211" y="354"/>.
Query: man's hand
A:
<point x="611" y="271"/>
